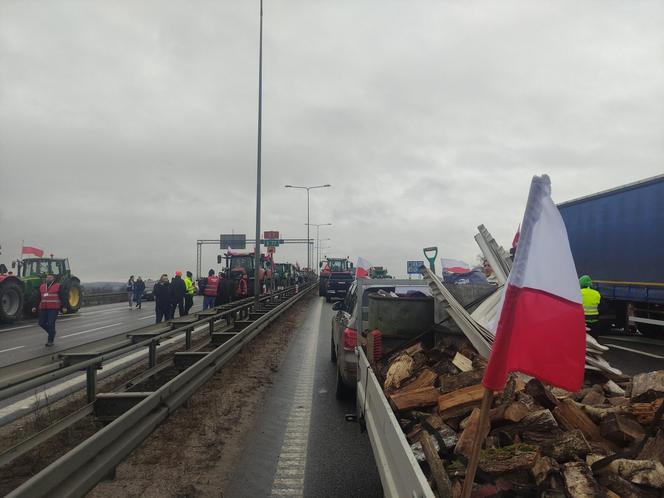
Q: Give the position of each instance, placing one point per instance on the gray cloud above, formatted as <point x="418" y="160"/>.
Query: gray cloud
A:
<point x="128" y="129"/>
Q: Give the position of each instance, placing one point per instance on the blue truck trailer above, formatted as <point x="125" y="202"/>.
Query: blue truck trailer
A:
<point x="617" y="237"/>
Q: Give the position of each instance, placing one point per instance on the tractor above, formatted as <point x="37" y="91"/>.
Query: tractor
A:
<point x="19" y="293"/>
<point x="240" y="265"/>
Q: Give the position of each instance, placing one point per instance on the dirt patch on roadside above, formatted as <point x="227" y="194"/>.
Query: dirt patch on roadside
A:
<point x="194" y="452"/>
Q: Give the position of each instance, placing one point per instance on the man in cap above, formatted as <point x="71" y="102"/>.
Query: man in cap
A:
<point x="591" y="299"/>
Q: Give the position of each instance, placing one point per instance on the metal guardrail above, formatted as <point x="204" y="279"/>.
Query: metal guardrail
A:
<point x="75" y="473"/>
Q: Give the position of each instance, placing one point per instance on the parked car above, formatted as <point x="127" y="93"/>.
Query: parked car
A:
<point x="148" y="295"/>
<point x="351" y="318"/>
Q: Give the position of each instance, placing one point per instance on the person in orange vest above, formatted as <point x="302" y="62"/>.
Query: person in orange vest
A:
<point x="51" y="298"/>
<point x="210" y="291"/>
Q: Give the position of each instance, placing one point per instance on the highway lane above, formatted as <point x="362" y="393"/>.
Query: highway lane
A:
<point x="634" y="354"/>
<point x="25" y="340"/>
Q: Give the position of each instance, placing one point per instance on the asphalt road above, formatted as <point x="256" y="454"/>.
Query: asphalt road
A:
<point x="634" y="355"/>
<point x="25" y="339"/>
<point x="302" y="445"/>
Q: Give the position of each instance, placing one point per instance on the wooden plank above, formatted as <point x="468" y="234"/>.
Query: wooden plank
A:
<point x="462" y="362"/>
<point x="400" y="369"/>
<point x="460" y="398"/>
<point x="449" y="383"/>
<point x="426" y="378"/>
<point x="570" y="417"/>
<point x="443" y="484"/>
<point x="415" y="398"/>
<point x="471" y="431"/>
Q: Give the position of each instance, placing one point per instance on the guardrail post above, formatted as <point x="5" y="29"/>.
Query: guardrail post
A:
<point x="211" y="325"/>
<point x="152" y="354"/>
<point x="187" y="338"/>
<point x="91" y="382"/>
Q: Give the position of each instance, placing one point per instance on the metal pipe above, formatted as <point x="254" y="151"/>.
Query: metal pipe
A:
<point x="257" y="251"/>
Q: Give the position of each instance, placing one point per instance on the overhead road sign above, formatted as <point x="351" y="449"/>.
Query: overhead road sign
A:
<point x="413" y="267"/>
<point x="271" y="235"/>
<point x="233" y="240"/>
<point x="272" y="242"/>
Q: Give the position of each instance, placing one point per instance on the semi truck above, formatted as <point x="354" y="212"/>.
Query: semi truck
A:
<point x="617" y="238"/>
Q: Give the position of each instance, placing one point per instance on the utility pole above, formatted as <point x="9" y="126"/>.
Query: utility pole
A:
<point x="257" y="251"/>
<point x="308" y="188"/>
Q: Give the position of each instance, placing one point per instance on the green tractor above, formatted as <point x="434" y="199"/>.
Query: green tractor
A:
<point x="19" y="293"/>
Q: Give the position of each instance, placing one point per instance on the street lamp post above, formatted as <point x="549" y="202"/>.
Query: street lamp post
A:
<point x="308" y="188"/>
<point x="318" y="225"/>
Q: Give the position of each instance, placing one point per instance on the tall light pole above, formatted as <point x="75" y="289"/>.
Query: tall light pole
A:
<point x="308" y="188"/>
<point x="257" y="249"/>
<point x="318" y="225"/>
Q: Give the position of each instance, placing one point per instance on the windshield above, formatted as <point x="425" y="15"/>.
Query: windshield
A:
<point x="337" y="265"/>
<point x="39" y="267"/>
<point x="246" y="262"/>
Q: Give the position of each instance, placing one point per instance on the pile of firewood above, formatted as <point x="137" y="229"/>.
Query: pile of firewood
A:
<point x="605" y="440"/>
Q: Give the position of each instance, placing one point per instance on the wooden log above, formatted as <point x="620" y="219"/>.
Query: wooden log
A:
<point x="654" y="448"/>
<point x="400" y="369"/>
<point x="569" y="416"/>
<point x="450" y="383"/>
<point x="565" y="447"/>
<point x="442" y="480"/>
<point x="432" y="419"/>
<point x="593" y="398"/>
<point x="510" y="413"/>
<point x="460" y="398"/>
<point x="415" y="398"/>
<point x="543" y="469"/>
<point x="541" y="421"/>
<point x="426" y="378"/>
<point x="647" y="386"/>
<point x="621" y="429"/>
<point x="472" y="431"/>
<point x="579" y="480"/>
<point x="462" y="363"/>
<point x="508" y="459"/>
<point x="541" y="394"/>
<point x="645" y="412"/>
<point x="644" y="472"/>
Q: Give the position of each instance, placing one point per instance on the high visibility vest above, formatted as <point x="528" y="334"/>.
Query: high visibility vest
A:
<point x="189" y="286"/>
<point x="591" y="299"/>
<point x="212" y="286"/>
<point x="50" y="296"/>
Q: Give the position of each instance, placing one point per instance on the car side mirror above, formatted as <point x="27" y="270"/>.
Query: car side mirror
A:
<point x="338" y="305"/>
<point x="3" y="268"/>
<point x="13" y="264"/>
<point x="218" y="259"/>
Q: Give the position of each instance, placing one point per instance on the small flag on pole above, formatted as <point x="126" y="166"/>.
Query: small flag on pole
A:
<point x="540" y="330"/>
<point x="31" y="249"/>
<point x="362" y="268"/>
<point x="454" y="266"/>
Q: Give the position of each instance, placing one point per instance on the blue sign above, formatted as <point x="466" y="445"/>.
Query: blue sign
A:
<point x="413" y="267"/>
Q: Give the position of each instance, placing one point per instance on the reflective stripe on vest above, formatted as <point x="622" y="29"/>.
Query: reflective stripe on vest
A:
<point x="50" y="296"/>
<point x="212" y="286"/>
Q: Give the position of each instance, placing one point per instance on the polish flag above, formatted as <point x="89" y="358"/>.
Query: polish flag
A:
<point x="454" y="266"/>
<point x="362" y="268"/>
<point x="541" y="329"/>
<point x="31" y="249"/>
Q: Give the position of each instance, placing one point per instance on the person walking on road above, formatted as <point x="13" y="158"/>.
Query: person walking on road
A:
<point x="162" y="299"/>
<point x="210" y="292"/>
<point x="51" y="297"/>
<point x="190" y="292"/>
<point x="130" y="290"/>
<point x="179" y="289"/>
<point x="139" y="289"/>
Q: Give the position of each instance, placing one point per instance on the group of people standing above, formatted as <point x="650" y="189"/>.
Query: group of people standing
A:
<point x="220" y="289"/>
<point x="169" y="296"/>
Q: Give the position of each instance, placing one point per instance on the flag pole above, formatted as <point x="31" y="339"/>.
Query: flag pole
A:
<point x="487" y="398"/>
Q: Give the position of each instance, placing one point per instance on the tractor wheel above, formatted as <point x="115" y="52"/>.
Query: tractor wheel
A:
<point x="74" y="297"/>
<point x="11" y="301"/>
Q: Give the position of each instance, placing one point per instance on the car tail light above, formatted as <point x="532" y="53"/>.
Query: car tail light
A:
<point x="350" y="339"/>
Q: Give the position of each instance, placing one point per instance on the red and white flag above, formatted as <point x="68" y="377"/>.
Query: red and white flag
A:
<point x="29" y="248"/>
<point x="541" y="329"/>
<point x="454" y="266"/>
<point x="362" y="268"/>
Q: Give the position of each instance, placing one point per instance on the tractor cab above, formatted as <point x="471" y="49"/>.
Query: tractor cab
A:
<point x="241" y="265"/>
<point x="40" y="267"/>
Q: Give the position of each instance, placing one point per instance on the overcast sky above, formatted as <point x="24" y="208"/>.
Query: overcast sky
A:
<point x="128" y="128"/>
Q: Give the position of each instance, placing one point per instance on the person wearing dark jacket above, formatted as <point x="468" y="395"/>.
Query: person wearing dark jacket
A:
<point x="139" y="289"/>
<point x="163" y="299"/>
<point x="226" y="287"/>
<point x="179" y="290"/>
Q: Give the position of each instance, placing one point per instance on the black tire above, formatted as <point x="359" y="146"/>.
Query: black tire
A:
<point x="11" y="301"/>
<point x="342" y="391"/>
<point x="74" y="293"/>
<point x="333" y="351"/>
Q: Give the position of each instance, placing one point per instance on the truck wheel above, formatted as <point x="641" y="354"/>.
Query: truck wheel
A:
<point x="342" y="390"/>
<point x="333" y="352"/>
<point x="11" y="302"/>
<point x="74" y="297"/>
<point x="651" y="330"/>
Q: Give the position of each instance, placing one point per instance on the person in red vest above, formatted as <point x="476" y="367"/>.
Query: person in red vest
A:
<point x="210" y="290"/>
<point x="242" y="287"/>
<point x="51" y="298"/>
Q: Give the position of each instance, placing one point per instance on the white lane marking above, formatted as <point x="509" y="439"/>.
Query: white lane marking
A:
<point x="91" y="330"/>
<point x="11" y="349"/>
<point x="146" y="317"/>
<point x="16" y="328"/>
<point x="636" y="351"/>
<point x="289" y="475"/>
<point x="111" y="310"/>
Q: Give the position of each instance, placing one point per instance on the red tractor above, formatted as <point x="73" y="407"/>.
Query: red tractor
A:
<point x="240" y="266"/>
